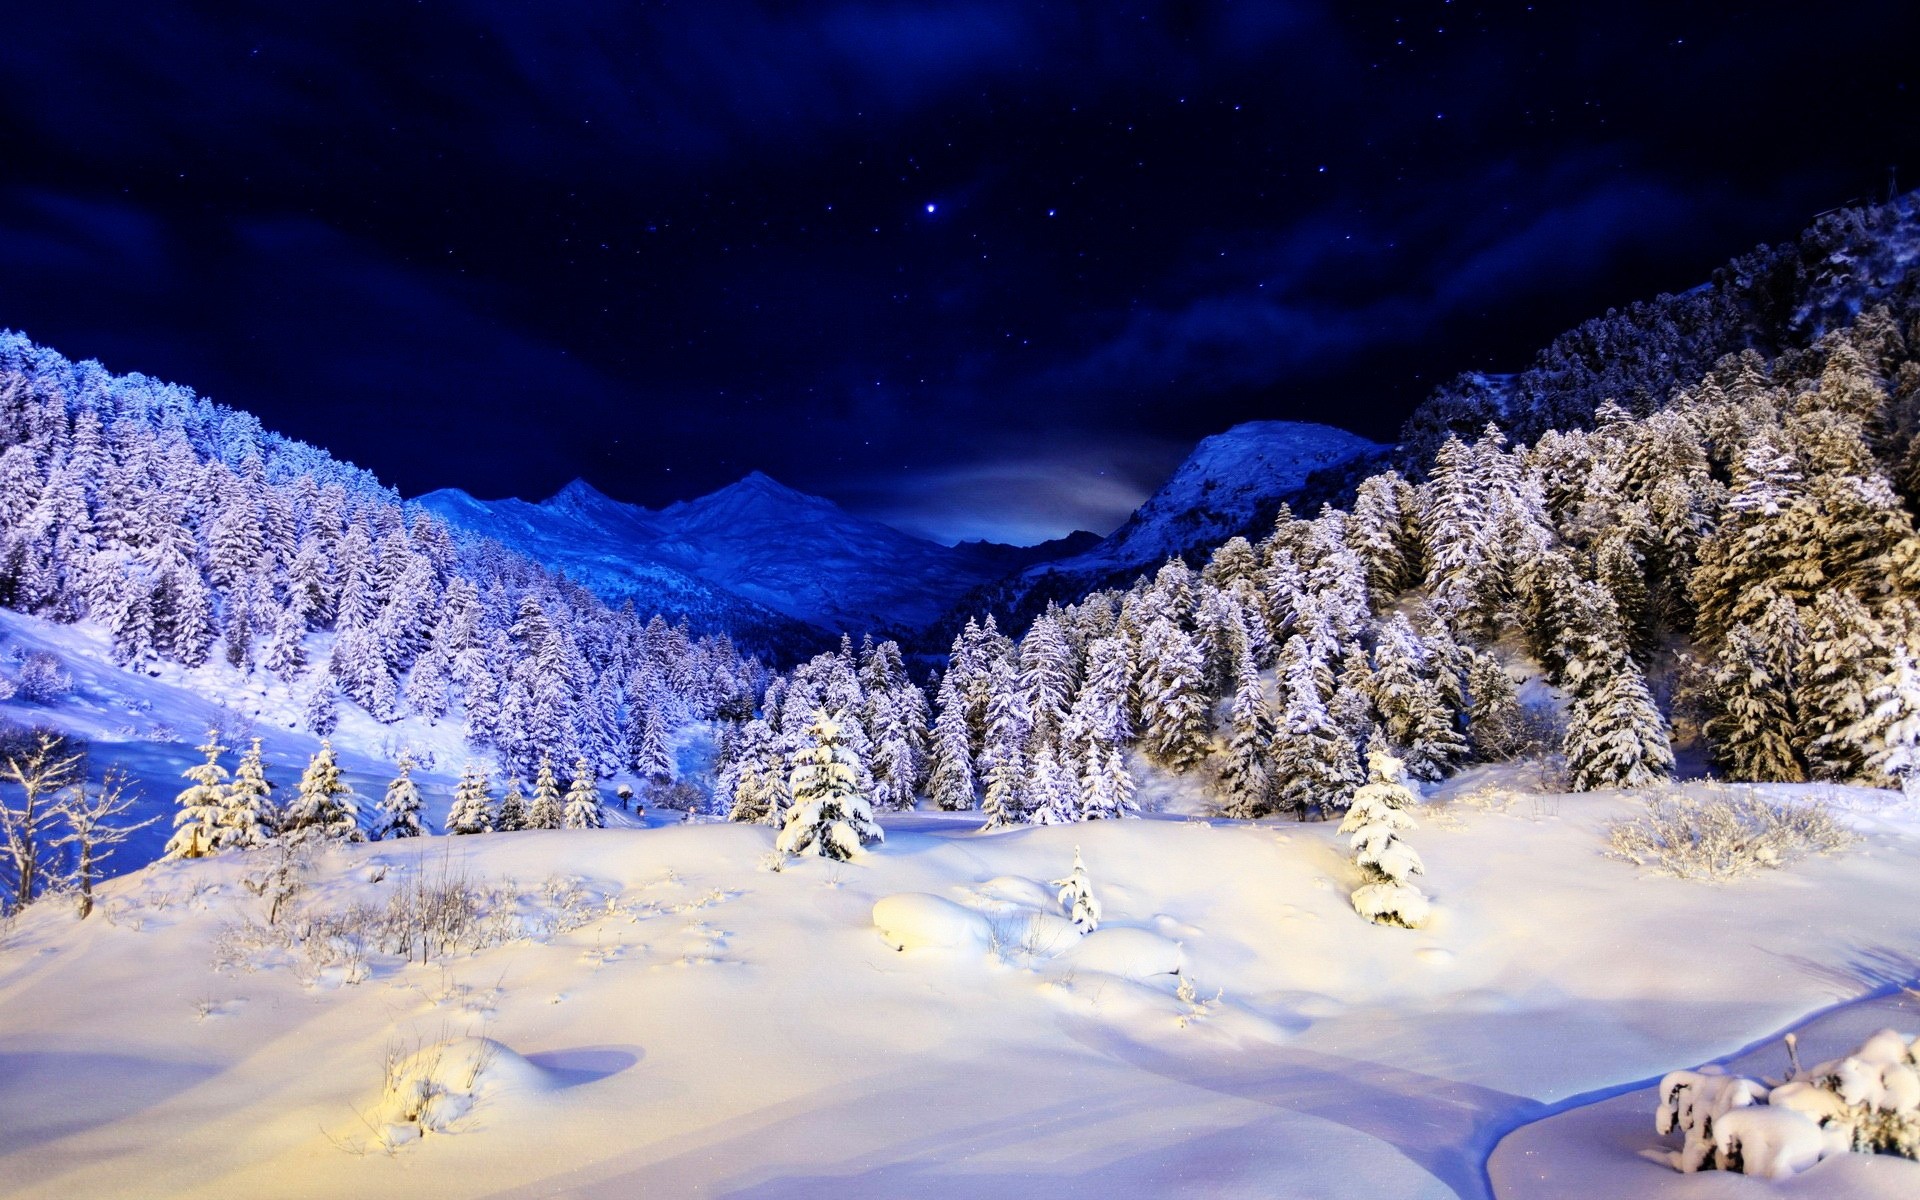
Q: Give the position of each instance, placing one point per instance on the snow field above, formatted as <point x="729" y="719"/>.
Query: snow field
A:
<point x="697" y="1025"/>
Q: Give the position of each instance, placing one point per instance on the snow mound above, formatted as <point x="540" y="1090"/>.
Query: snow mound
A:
<point x="1135" y="954"/>
<point x="435" y="1087"/>
<point x="916" y="921"/>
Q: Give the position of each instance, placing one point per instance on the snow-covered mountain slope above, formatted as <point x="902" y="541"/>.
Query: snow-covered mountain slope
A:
<point x="667" y="1020"/>
<point x="756" y="558"/>
<point x="1232" y="483"/>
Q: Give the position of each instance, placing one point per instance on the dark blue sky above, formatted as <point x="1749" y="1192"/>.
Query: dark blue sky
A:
<point x="975" y="267"/>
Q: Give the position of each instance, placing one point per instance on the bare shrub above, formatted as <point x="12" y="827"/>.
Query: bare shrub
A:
<point x="1724" y="834"/>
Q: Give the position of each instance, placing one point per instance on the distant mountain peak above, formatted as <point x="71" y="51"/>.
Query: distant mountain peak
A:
<point x="578" y="492"/>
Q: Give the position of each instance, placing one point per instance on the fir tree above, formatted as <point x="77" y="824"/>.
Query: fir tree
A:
<point x="950" y="782"/>
<point x="1495" y="725"/>
<point x="1892" y="725"/>
<point x="1838" y="667"/>
<point x="197" y="830"/>
<point x="512" y="813"/>
<point x="1245" y="781"/>
<point x="829" y="816"/>
<point x="247" y="819"/>
<point x="1077" y="898"/>
<point x="1173" y="704"/>
<point x="1053" y="794"/>
<point x="472" y="810"/>
<point x="1753" y="731"/>
<point x="547" y="811"/>
<point x="1616" y="737"/>
<point x="1106" y="786"/>
<point x="326" y="807"/>
<point x="1376" y="817"/>
<point x="583" y="810"/>
<point x="400" y="808"/>
<point x="1314" y="762"/>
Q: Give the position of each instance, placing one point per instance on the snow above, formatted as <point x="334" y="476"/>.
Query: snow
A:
<point x="691" y="1023"/>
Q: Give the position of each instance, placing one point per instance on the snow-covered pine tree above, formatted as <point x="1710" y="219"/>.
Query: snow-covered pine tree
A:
<point x="1754" y="729"/>
<point x="1376" y="816"/>
<point x="472" y="810"/>
<point x="1053" y="796"/>
<point x="512" y="813"/>
<point x="1314" y="763"/>
<point x="1840" y="665"/>
<point x="1173" y="694"/>
<point x="894" y="761"/>
<point x="197" y="830"/>
<point x="1106" y="786"/>
<point x="829" y="816"/>
<point x="1495" y="725"/>
<point x="1892" y="724"/>
<point x="320" y="715"/>
<point x="547" y="811"/>
<point x="326" y="807"/>
<point x="1246" y="784"/>
<point x="1077" y="898"/>
<point x="400" y="809"/>
<point x="1099" y="710"/>
<point x="583" y="800"/>
<point x="950" y="782"/>
<point x="1616" y="737"/>
<point x="247" y="817"/>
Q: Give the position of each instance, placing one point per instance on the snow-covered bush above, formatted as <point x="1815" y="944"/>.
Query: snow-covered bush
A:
<point x="1724" y="834"/>
<point x="1375" y="818"/>
<point x="1867" y="1101"/>
<point x="44" y="678"/>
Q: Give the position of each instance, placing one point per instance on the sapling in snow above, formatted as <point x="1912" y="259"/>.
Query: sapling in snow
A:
<point x="472" y="810"/>
<point x="1375" y="818"/>
<point x="548" y="812"/>
<point x="1076" y="896"/>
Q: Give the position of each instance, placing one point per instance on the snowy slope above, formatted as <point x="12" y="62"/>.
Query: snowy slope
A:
<point x="1232" y="483"/>
<point x="676" y="1021"/>
<point x="752" y="558"/>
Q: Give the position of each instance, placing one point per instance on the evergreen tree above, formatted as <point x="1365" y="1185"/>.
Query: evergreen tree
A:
<point x="547" y="811"/>
<point x="950" y="783"/>
<point x="1754" y="730"/>
<point x="829" y="816"/>
<point x="512" y="814"/>
<point x="326" y="807"/>
<point x="1245" y="781"/>
<point x="759" y="777"/>
<point x="400" y="809"/>
<point x="1314" y="762"/>
<point x="319" y="713"/>
<point x="1376" y="817"/>
<point x="583" y="800"/>
<point x="1616" y="737"/>
<point x="197" y="830"/>
<point x="1076" y="896"/>
<point x="247" y="819"/>
<point x="472" y="810"/>
<point x="1892" y="725"/>
<point x="1053" y="794"/>
<point x="1839" y="666"/>
<point x="1173" y="705"/>
<point x="1496" y="728"/>
<point x="1106" y="787"/>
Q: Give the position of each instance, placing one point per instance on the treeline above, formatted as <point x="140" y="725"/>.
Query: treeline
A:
<point x="192" y="535"/>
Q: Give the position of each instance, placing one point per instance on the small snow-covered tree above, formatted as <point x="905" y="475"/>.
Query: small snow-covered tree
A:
<point x="583" y="800"/>
<point x="1375" y="818"/>
<point x="512" y="813"/>
<point x="547" y="811"/>
<point x="197" y="829"/>
<point x="247" y="818"/>
<point x="950" y="782"/>
<point x="1053" y="794"/>
<point x="326" y="807"/>
<point x="1495" y="725"/>
<point x="94" y="829"/>
<point x="40" y="774"/>
<point x="1076" y="896"/>
<point x="400" y="807"/>
<point x="472" y="810"/>
<point x="1246" y="784"/>
<point x="829" y="816"/>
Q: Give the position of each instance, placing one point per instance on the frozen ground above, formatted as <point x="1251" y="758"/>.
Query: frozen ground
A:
<point x="680" y="1021"/>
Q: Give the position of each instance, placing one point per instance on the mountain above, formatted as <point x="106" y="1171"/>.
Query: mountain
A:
<point x="1232" y="483"/>
<point x="783" y="570"/>
<point x="773" y="566"/>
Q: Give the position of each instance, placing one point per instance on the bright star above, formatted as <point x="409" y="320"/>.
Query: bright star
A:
<point x="931" y="207"/>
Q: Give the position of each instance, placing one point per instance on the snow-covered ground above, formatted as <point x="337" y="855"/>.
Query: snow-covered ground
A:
<point x="681" y="1021"/>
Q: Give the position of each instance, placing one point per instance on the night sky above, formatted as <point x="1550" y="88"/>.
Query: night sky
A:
<point x="977" y="268"/>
